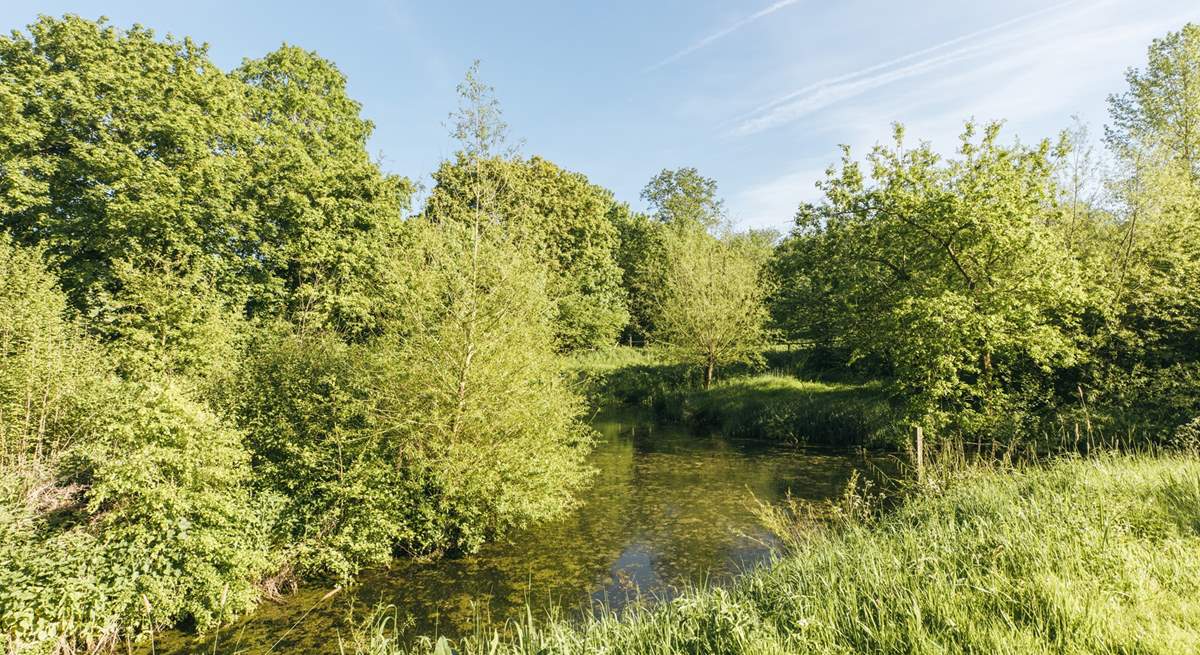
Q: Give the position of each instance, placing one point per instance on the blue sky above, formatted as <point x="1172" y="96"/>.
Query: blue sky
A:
<point x="756" y="94"/>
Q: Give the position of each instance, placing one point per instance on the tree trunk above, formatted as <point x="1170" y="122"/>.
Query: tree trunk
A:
<point x="708" y="374"/>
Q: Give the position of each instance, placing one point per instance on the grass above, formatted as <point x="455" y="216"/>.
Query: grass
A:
<point x="783" y="408"/>
<point x="743" y="403"/>
<point x="1096" y="555"/>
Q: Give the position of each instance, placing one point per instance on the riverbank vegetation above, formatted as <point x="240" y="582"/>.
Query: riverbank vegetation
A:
<point x="235" y="355"/>
<point x="1082" y="556"/>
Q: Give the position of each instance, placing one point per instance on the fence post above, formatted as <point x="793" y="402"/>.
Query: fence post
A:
<point x="920" y="455"/>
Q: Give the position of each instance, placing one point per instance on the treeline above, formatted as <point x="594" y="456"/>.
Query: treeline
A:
<point x="1020" y="291"/>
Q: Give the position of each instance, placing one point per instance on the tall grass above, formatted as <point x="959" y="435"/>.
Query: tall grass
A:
<point x="1083" y="555"/>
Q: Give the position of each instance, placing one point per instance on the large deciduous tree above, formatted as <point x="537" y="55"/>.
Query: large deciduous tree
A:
<point x="138" y="166"/>
<point x="684" y="197"/>
<point x="325" y="218"/>
<point x="117" y="150"/>
<point x="946" y="269"/>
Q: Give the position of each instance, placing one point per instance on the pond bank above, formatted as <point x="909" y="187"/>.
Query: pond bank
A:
<point x="1082" y="555"/>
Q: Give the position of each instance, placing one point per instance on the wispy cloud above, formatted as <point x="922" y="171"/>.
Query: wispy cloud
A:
<point x="724" y="32"/>
<point x="819" y="95"/>
<point x="1032" y="77"/>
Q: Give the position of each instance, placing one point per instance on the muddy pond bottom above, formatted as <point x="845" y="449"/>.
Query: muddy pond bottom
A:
<point x="669" y="508"/>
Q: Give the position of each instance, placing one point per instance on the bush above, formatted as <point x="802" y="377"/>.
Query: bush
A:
<point x="782" y="408"/>
<point x="123" y="507"/>
<point x="318" y="441"/>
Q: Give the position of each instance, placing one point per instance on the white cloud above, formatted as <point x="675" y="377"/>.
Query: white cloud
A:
<point x="773" y="203"/>
<point x="719" y="34"/>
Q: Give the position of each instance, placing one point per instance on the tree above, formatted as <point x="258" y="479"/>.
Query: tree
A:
<point x="1146" y="357"/>
<point x="127" y="157"/>
<point x="949" y="270"/>
<point x="120" y="148"/>
<point x="641" y="257"/>
<point x="711" y="310"/>
<point x="1155" y="134"/>
<point x="684" y="197"/>
<point x="124" y="506"/>
<point x="325" y="218"/>
<point x="1161" y="109"/>
<point x="478" y="382"/>
<point x="564" y="220"/>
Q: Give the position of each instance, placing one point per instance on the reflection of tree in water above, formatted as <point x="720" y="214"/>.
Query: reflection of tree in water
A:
<point x="668" y="508"/>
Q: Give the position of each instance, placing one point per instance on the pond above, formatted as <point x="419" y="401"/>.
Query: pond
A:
<point x="669" y="508"/>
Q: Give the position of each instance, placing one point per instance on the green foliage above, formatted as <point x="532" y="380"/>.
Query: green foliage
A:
<point x="452" y="426"/>
<point x="684" y="198"/>
<point x="784" y="409"/>
<point x="1081" y="556"/>
<point x="129" y="157"/>
<point x="324" y="216"/>
<point x="495" y="415"/>
<point x="947" y="270"/>
<point x="46" y="368"/>
<point x="562" y="218"/>
<point x="642" y="258"/>
<point x="1145" y="357"/>
<point x="1161" y="109"/>
<point x="711" y="309"/>
<point x="148" y="522"/>
<point x="489" y="398"/>
<point x="123" y="149"/>
<point x="314" y="432"/>
<point x="123" y="507"/>
<point x="776" y="406"/>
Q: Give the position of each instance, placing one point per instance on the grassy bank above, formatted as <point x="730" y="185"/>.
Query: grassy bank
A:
<point x="1094" y="555"/>
<point x="744" y="403"/>
<point x="783" y="408"/>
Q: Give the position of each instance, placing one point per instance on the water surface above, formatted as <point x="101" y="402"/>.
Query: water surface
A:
<point x="668" y="508"/>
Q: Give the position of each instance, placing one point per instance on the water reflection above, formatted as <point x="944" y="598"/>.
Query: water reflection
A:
<point x="668" y="508"/>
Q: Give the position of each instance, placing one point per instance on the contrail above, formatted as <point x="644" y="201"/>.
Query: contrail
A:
<point x="824" y="92"/>
<point x="722" y="33"/>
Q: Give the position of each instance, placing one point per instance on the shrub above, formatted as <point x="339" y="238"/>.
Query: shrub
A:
<point x="318" y="441"/>
<point x="123" y="507"/>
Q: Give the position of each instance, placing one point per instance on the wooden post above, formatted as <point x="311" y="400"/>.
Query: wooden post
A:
<point x="920" y="454"/>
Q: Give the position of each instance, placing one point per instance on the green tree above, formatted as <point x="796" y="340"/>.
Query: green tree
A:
<point x="120" y="148"/>
<point x="128" y="157"/>
<point x="123" y="506"/>
<point x="1146" y="358"/>
<point x="946" y="269"/>
<point x="641" y="257"/>
<point x="1160" y="111"/>
<point x="325" y="218"/>
<point x="560" y="217"/>
<point x="711" y="310"/>
<point x="485" y="389"/>
<point x="1155" y="134"/>
<point x="684" y="197"/>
